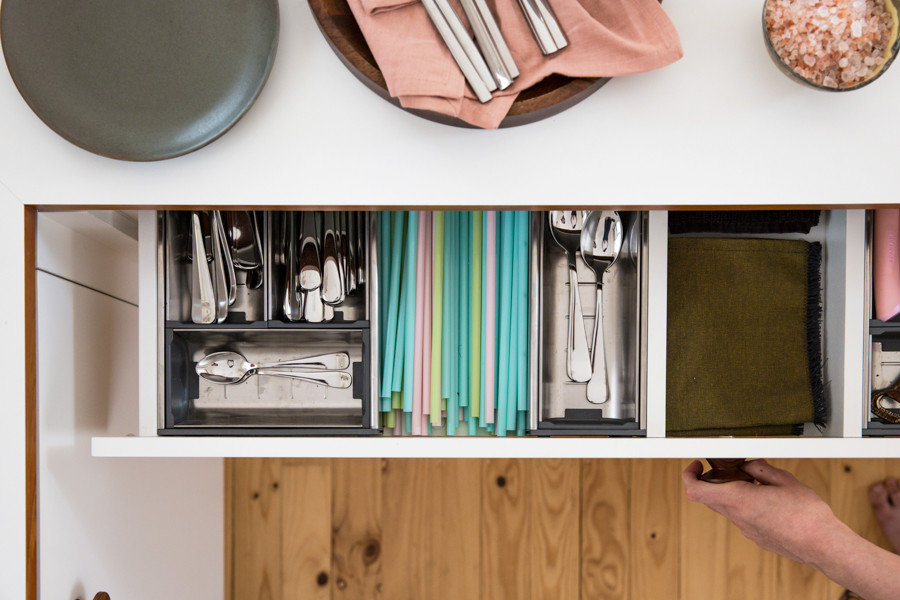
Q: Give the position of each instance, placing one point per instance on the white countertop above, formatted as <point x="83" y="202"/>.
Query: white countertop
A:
<point x="720" y="126"/>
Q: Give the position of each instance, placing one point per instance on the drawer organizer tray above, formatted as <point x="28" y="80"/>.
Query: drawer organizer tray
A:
<point x="257" y="329"/>
<point x="559" y="405"/>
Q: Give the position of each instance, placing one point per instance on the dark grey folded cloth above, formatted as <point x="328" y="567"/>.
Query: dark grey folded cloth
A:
<point x="742" y="221"/>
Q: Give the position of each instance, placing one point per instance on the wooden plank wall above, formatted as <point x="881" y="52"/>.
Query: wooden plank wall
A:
<point x="416" y="529"/>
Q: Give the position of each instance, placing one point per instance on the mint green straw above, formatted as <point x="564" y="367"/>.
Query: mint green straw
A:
<point x="393" y="305"/>
<point x="475" y="362"/>
<point x="437" y="296"/>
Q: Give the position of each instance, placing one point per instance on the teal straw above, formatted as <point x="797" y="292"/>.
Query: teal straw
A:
<point x="505" y="267"/>
<point x="514" y="341"/>
<point x="524" y="273"/>
<point x="393" y="306"/>
<point x="498" y="303"/>
<point x="408" y="419"/>
<point x="465" y="305"/>
<point x="409" y="307"/>
<point x="481" y="415"/>
<point x="399" y="347"/>
<point x="520" y="423"/>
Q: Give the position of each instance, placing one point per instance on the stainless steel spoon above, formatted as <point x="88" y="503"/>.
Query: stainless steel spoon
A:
<point x="601" y="242"/>
<point x="231" y="367"/>
<point x="566" y="226"/>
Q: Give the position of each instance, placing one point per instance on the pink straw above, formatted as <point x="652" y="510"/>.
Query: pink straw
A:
<point x="490" y="321"/>
<point x="419" y="329"/>
<point x="428" y="220"/>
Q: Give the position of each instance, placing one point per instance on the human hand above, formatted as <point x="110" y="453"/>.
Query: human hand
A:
<point x="778" y="513"/>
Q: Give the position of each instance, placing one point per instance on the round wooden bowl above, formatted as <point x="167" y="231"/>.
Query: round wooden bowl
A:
<point x="544" y="99"/>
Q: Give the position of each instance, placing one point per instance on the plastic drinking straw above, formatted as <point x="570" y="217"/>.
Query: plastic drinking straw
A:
<point x="521" y="421"/>
<point x="475" y="363"/>
<point x="446" y="301"/>
<point x="419" y="327"/>
<point x="396" y="400"/>
<point x="390" y="419"/>
<point x="512" y="372"/>
<point x="428" y="256"/>
<point x="451" y="321"/>
<point x="411" y="284"/>
<point x="393" y="304"/>
<point x="399" y="347"/>
<point x="465" y="306"/>
<point x="505" y="318"/>
<point x="384" y="270"/>
<point x="524" y="279"/>
<point x="490" y="323"/>
<point x="436" y="318"/>
<point x="482" y="410"/>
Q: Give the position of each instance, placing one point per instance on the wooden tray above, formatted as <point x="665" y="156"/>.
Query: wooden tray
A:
<point x="546" y="98"/>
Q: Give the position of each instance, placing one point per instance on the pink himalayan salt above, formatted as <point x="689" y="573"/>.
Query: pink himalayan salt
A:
<point x="835" y="43"/>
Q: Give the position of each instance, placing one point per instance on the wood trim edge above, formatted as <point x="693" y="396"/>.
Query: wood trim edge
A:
<point x="31" y="467"/>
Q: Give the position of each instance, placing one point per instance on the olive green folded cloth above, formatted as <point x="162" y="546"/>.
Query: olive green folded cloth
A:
<point x="744" y="337"/>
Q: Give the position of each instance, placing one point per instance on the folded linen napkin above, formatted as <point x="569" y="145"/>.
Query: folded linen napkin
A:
<point x="744" y="337"/>
<point x="607" y="38"/>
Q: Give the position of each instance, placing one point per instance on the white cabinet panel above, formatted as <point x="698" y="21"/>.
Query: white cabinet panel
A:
<point x="137" y="528"/>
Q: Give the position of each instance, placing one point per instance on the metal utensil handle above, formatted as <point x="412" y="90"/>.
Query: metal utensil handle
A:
<point x="335" y="361"/>
<point x="226" y="254"/>
<point x="203" y="304"/>
<point x="456" y="50"/>
<point x="332" y="280"/>
<point x="494" y="31"/>
<point x="468" y="46"/>
<point x="487" y="45"/>
<point x="220" y="283"/>
<point x="552" y="23"/>
<point x="598" y="386"/>
<point x="335" y="379"/>
<point x="539" y="29"/>
<point x="578" y="361"/>
<point x="291" y="300"/>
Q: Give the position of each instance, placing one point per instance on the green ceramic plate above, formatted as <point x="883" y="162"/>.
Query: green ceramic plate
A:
<point x="139" y="79"/>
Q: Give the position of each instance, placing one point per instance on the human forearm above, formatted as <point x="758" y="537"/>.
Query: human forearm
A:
<point x="855" y="563"/>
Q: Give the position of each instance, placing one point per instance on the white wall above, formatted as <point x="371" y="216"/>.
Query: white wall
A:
<point x="135" y="528"/>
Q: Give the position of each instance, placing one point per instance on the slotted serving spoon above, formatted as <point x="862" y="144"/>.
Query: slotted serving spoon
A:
<point x="601" y="242"/>
<point x="566" y="226"/>
<point x="232" y="367"/>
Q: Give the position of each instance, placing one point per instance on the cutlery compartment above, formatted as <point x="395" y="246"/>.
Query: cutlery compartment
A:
<point x="176" y="240"/>
<point x="560" y="405"/>
<point x="353" y="249"/>
<point x="255" y="326"/>
<point x="277" y="404"/>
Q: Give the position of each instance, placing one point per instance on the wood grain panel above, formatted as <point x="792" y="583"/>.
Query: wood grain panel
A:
<point x="431" y="530"/>
<point x="305" y="489"/>
<point x="654" y="509"/>
<point x="357" y="529"/>
<point x="554" y="525"/>
<point x="257" y="529"/>
<point x="703" y="553"/>
<point x="605" y="534"/>
<point x="505" y="532"/>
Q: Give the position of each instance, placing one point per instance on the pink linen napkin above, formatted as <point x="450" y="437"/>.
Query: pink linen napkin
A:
<point x="607" y="38"/>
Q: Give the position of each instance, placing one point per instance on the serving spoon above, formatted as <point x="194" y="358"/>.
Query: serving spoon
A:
<point x="565" y="227"/>
<point x="232" y="367"/>
<point x="601" y="242"/>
